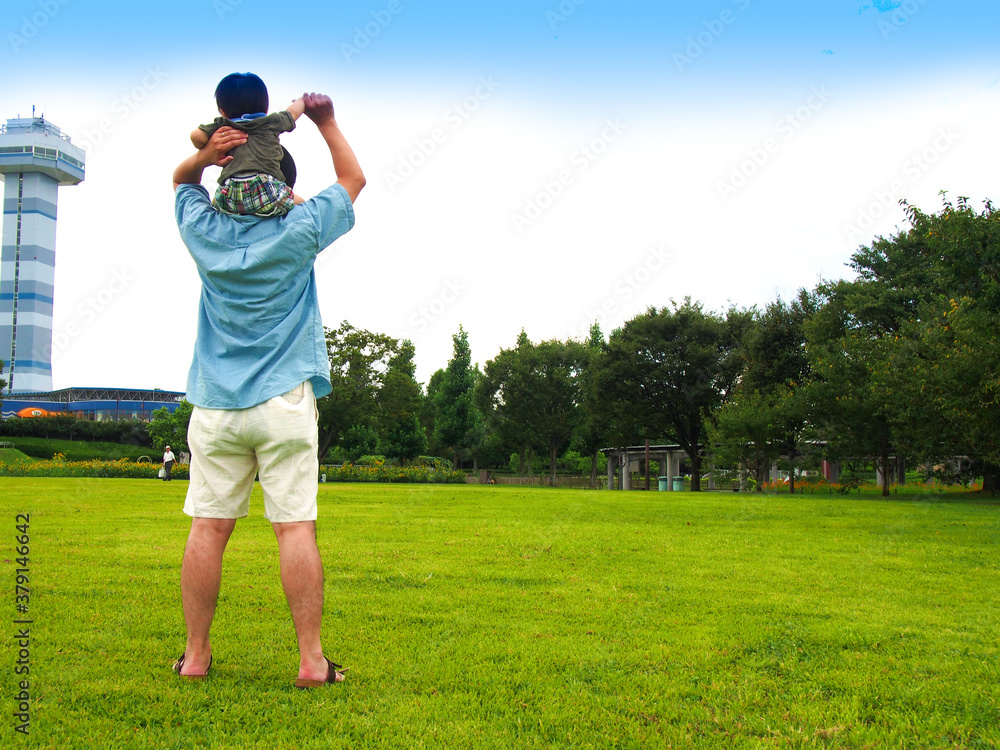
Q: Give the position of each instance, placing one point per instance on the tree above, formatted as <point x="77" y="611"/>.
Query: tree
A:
<point x="943" y="364"/>
<point x="904" y="355"/>
<point x="359" y="360"/>
<point x="766" y="417"/>
<point x="171" y="428"/>
<point x="456" y="414"/>
<point x="428" y="414"/>
<point x="358" y="441"/>
<point x="849" y="355"/>
<point x="400" y="402"/>
<point x="504" y="398"/>
<point x="534" y="392"/>
<point x="3" y="383"/>
<point x="593" y="431"/>
<point x="557" y="374"/>
<point x="668" y="370"/>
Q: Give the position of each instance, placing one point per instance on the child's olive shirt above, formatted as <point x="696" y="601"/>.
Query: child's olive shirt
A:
<point x="261" y="154"/>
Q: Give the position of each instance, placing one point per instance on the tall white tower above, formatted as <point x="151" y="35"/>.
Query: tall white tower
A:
<point x="35" y="159"/>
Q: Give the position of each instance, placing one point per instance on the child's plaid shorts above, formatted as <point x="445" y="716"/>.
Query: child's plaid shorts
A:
<point x="258" y="194"/>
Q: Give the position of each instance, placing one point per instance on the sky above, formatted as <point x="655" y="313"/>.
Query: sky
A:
<point x="531" y="164"/>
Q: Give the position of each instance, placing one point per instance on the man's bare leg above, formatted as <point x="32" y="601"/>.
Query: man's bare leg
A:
<point x="201" y="576"/>
<point x="302" y="580"/>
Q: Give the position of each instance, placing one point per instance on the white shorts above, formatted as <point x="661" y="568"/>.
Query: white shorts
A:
<point x="277" y="438"/>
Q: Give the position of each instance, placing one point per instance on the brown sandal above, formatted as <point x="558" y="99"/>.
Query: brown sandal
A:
<point x="335" y="673"/>
<point x="179" y="665"/>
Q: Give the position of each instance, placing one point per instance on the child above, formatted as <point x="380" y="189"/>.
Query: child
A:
<point x="253" y="182"/>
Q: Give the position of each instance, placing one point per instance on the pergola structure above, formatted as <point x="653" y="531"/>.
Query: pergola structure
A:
<point x="622" y="462"/>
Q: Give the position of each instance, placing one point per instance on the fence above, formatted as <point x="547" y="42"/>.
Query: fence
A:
<point x="571" y="481"/>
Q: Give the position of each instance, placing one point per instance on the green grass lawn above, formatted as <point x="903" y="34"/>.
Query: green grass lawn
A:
<point x="521" y="617"/>
<point x="12" y="455"/>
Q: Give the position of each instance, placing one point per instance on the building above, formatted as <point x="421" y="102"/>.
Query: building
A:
<point x="36" y="158"/>
<point x="94" y="403"/>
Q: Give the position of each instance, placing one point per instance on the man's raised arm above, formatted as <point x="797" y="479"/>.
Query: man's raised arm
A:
<point x="319" y="109"/>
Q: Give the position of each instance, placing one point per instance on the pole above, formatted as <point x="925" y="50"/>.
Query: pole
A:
<point x="647" y="464"/>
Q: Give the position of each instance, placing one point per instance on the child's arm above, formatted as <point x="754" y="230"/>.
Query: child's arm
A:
<point x="296" y="108"/>
<point x="199" y="138"/>
<point x="215" y="153"/>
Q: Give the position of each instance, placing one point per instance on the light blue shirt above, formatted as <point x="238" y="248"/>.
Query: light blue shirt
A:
<point x="260" y="333"/>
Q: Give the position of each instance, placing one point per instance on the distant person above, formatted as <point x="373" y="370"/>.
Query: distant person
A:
<point x="168" y="463"/>
<point x="260" y="362"/>
<point x="254" y="182"/>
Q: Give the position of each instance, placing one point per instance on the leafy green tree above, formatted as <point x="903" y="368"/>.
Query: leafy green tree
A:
<point x="428" y="414"/>
<point x="359" y="440"/>
<point x="504" y="398"/>
<point x="359" y="360"/>
<point x="593" y="431"/>
<point x="849" y="356"/>
<point x="767" y="416"/>
<point x="534" y="390"/>
<point x="400" y="402"/>
<point x="170" y="428"/>
<point x="943" y="362"/>
<point x="3" y="383"/>
<point x="668" y="370"/>
<point x="557" y="373"/>
<point x="457" y="418"/>
<point x="903" y="356"/>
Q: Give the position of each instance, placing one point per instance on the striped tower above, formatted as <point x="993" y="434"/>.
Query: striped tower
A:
<point x="35" y="159"/>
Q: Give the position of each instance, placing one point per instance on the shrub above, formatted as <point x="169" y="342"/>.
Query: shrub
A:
<point x="379" y="471"/>
<point x="65" y="427"/>
<point x="78" y="450"/>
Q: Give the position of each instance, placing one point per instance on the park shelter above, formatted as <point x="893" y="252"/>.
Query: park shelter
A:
<point x="623" y="462"/>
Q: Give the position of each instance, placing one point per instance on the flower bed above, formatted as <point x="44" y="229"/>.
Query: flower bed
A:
<point x="120" y="469"/>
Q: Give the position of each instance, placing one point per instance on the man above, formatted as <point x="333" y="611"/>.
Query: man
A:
<point x="260" y="363"/>
<point x="168" y="463"/>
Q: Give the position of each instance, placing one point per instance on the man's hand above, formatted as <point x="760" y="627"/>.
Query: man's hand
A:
<point x="215" y="153"/>
<point x="319" y="108"/>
